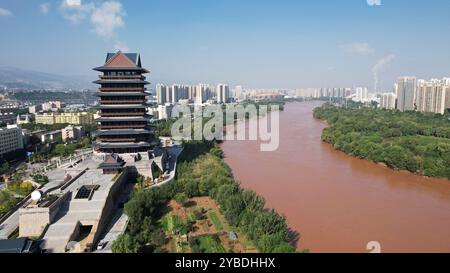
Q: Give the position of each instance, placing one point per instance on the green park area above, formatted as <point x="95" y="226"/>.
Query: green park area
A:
<point x="412" y="141"/>
<point x="196" y="226"/>
<point x="203" y="210"/>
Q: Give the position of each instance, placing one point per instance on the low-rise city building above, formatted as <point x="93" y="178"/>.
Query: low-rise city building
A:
<point x="50" y="136"/>
<point x="53" y="106"/>
<point x="23" y="119"/>
<point x="11" y="139"/>
<point x="165" y="111"/>
<point x="72" y="132"/>
<point x="78" y="118"/>
<point x="7" y="117"/>
<point x="35" y="109"/>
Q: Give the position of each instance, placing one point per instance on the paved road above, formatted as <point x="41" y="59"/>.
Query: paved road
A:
<point x="118" y="226"/>
<point x="10" y="225"/>
<point x="118" y="222"/>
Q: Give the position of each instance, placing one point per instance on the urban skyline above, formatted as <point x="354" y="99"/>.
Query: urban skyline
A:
<point x="271" y="45"/>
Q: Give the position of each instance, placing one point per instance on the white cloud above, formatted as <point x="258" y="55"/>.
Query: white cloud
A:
<point x="358" y="48"/>
<point x="107" y="18"/>
<point x="5" y="12"/>
<point x="44" y="8"/>
<point x="73" y="2"/>
<point x="75" y="11"/>
<point x="121" y="46"/>
<point x="374" y="2"/>
<point x="378" y="67"/>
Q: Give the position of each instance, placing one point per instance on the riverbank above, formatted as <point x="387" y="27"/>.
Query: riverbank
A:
<point x="201" y="173"/>
<point x="416" y="142"/>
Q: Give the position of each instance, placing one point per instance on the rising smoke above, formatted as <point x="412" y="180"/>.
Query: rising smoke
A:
<point x="378" y="67"/>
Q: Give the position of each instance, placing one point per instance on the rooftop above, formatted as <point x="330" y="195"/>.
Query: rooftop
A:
<point x="21" y="245"/>
<point x="112" y="161"/>
<point x="123" y="132"/>
<point x="122" y="61"/>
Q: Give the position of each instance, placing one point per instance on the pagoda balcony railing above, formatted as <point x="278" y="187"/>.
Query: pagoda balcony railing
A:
<point x="117" y="139"/>
<point x="122" y="101"/>
<point x="119" y="77"/>
<point x="130" y="89"/>
<point x="127" y="126"/>
<point x="129" y="114"/>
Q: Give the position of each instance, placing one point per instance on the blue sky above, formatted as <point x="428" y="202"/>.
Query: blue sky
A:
<point x="256" y="43"/>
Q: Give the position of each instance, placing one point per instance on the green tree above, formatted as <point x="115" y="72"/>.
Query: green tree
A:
<point x="7" y="201"/>
<point x="284" y="247"/>
<point x="216" y="151"/>
<point x="5" y="167"/>
<point x="191" y="189"/>
<point x="158" y="237"/>
<point x="269" y="242"/>
<point x="181" y="198"/>
<point x="60" y="149"/>
<point x="125" y="243"/>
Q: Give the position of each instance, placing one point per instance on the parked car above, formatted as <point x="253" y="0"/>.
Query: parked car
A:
<point x="102" y="245"/>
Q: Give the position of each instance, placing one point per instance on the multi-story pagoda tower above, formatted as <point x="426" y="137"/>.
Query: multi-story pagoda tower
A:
<point x="123" y="125"/>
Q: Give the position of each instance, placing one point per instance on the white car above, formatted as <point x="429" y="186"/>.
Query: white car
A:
<point x="101" y="245"/>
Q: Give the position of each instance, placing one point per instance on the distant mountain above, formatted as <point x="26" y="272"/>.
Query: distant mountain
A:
<point x="20" y="78"/>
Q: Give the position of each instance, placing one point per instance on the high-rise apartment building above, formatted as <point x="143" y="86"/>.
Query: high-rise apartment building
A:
<point x="192" y="92"/>
<point x="362" y="94"/>
<point x="432" y="96"/>
<point x="238" y="92"/>
<point x="406" y="91"/>
<point x="161" y="93"/>
<point x="179" y="92"/>
<point x="388" y="101"/>
<point x="173" y="94"/>
<point x="204" y="93"/>
<point x="446" y="83"/>
<point x="223" y="93"/>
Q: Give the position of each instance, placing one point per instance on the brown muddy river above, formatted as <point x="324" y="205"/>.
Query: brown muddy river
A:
<point x="338" y="203"/>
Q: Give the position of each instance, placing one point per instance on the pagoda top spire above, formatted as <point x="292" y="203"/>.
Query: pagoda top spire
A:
<point x="122" y="61"/>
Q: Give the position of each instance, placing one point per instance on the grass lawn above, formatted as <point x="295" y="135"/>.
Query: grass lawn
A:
<point x="165" y="224"/>
<point x="170" y="221"/>
<point x="216" y="221"/>
<point x="191" y="216"/>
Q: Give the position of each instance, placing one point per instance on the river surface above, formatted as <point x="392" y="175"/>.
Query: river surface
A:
<point x="338" y="203"/>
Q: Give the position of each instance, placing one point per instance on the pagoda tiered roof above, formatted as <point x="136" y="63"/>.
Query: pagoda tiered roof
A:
<point x="121" y="94"/>
<point x="124" y="106"/>
<point x="122" y="61"/>
<point x="120" y="132"/>
<point x="136" y="118"/>
<point x="112" y="162"/>
<point x="121" y="81"/>
<point x="117" y="145"/>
